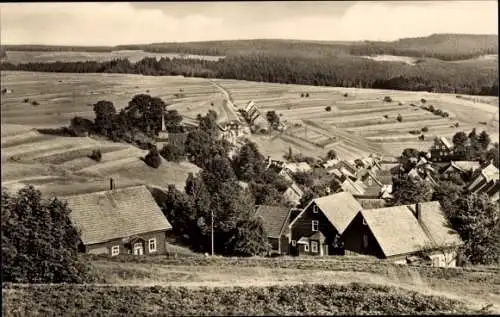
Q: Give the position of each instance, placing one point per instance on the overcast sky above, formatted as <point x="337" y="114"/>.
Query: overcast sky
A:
<point x="135" y="23"/>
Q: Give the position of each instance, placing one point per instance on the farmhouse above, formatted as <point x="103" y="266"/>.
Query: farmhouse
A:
<point x="293" y="194"/>
<point x="275" y="220"/>
<point x="487" y="182"/>
<point x="461" y="167"/>
<point x="441" y="150"/>
<point x="398" y="232"/>
<point x="315" y="230"/>
<point x="125" y="220"/>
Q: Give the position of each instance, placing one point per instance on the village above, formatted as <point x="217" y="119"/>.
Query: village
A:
<point x="354" y="216"/>
<point x="294" y="158"/>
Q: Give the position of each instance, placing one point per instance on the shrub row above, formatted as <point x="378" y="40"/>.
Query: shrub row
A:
<point x="91" y="300"/>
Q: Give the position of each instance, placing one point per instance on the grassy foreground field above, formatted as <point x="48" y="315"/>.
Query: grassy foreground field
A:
<point x="75" y="300"/>
<point x="166" y="286"/>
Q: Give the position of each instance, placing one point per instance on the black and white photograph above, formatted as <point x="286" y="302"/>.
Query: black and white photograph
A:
<point x="249" y="158"/>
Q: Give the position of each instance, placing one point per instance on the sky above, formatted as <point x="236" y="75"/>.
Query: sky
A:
<point x="107" y="23"/>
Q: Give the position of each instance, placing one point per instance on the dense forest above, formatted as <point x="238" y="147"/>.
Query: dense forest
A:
<point x="343" y="71"/>
<point x="440" y="46"/>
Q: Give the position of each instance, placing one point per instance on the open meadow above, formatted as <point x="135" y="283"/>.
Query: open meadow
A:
<point x="169" y="286"/>
<point x="357" y="124"/>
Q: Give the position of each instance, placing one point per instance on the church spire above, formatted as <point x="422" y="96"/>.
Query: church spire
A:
<point x="163" y="128"/>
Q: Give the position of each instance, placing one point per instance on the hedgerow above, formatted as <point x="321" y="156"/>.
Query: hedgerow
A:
<point x="91" y="300"/>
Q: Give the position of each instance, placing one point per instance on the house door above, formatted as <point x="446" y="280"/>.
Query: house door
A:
<point x="138" y="249"/>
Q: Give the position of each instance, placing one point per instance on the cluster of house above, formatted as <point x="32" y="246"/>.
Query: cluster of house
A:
<point x="353" y="221"/>
<point x="129" y="221"/>
<point x="338" y="224"/>
<point x="368" y="178"/>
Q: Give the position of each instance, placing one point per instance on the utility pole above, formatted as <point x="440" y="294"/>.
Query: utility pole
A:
<point x="212" y="213"/>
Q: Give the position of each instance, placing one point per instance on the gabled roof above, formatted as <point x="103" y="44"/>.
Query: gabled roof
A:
<point x="339" y="209"/>
<point x="490" y="172"/>
<point x="330" y="163"/>
<point x="114" y="214"/>
<point x="296" y="189"/>
<point x="347" y="173"/>
<point x="274" y="218"/>
<point x="399" y="231"/>
<point x="445" y="142"/>
<point x="464" y="166"/>
<point x="298" y="167"/>
<point x="354" y="188"/>
<point x="396" y="230"/>
<point x="435" y="224"/>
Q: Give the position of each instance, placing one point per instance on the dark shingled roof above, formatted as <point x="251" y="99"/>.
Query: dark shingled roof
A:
<point x="113" y="214"/>
<point x="274" y="218"/>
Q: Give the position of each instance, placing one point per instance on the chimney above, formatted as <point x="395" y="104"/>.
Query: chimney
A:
<point x="111" y="184"/>
<point x="418" y="208"/>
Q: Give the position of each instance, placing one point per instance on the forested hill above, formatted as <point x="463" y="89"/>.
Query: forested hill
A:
<point x="441" y="46"/>
<point x="345" y="71"/>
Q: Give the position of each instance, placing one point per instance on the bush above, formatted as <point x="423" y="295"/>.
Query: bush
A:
<point x="423" y="100"/>
<point x="35" y="103"/>
<point x="302" y="95"/>
<point x="445" y="114"/>
<point x="425" y="129"/>
<point x="438" y="112"/>
<point x="431" y="108"/>
<point x="96" y="155"/>
<point x="307" y="95"/>
<point x="421" y="137"/>
<point x="457" y="124"/>
<point x="346" y="95"/>
<point x="26" y="100"/>
<point x="386" y="116"/>
<point x="328" y="108"/>
<point x="39" y="242"/>
<point x="415" y="131"/>
<point x="400" y="103"/>
<point x="387" y="99"/>
<point x="399" y="118"/>
<point x="331" y="154"/>
<point x="172" y="152"/>
<point x="153" y="158"/>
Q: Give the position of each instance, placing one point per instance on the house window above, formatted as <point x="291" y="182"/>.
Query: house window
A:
<point x="365" y="241"/>
<point x="115" y="250"/>
<point x="315" y="225"/>
<point x="294" y="243"/>
<point x="306" y="247"/>
<point x="152" y="245"/>
<point x="370" y="181"/>
<point x="364" y="222"/>
<point x="314" y="246"/>
<point x="315" y="209"/>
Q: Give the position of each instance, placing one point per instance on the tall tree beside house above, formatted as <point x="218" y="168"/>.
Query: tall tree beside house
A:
<point x="216" y="191"/>
<point x="172" y="120"/>
<point x="331" y="154"/>
<point x="145" y="113"/>
<point x="408" y="158"/>
<point x="484" y="140"/>
<point x="477" y="220"/>
<point x="39" y="242"/>
<point x="493" y="155"/>
<point x="248" y="163"/>
<point x="273" y="118"/>
<point x="410" y="191"/>
<point x="105" y="113"/>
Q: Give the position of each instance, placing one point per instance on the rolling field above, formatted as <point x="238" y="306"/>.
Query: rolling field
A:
<point x="60" y="166"/>
<point x="357" y="125"/>
<point x="16" y="57"/>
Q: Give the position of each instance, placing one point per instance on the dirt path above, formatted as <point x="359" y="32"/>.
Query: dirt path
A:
<point x="476" y="295"/>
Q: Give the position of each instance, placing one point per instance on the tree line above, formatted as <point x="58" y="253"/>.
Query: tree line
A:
<point x="338" y="70"/>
